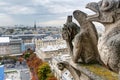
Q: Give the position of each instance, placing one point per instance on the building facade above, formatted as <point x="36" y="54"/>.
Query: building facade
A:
<point x="10" y="46"/>
<point x="4" y="49"/>
<point x="15" y="46"/>
<point x="4" y="46"/>
<point x="47" y="48"/>
<point x="26" y="46"/>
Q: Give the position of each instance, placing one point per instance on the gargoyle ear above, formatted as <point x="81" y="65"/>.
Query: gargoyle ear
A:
<point x="107" y="4"/>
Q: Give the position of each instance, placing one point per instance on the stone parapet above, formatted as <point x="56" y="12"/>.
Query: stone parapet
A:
<point x="95" y="71"/>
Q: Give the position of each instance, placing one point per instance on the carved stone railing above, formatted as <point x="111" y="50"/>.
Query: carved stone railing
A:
<point x="88" y="71"/>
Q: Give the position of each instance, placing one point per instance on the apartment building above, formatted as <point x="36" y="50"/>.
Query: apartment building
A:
<point x="15" y="45"/>
<point x="47" y="48"/>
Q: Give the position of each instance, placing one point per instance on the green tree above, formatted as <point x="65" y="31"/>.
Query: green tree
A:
<point x="27" y="55"/>
<point x="43" y="71"/>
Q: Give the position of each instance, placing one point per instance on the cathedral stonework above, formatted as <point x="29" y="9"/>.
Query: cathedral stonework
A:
<point x="83" y="43"/>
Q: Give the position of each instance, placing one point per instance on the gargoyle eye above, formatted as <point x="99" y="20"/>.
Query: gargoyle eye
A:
<point x="106" y="4"/>
<point x="77" y="14"/>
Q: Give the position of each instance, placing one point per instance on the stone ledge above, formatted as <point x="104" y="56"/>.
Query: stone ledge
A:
<point x="95" y="71"/>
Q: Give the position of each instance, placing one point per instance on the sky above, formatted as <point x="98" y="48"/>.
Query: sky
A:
<point x="44" y="12"/>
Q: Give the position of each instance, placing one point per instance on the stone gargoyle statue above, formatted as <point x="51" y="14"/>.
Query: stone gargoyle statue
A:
<point x="69" y="31"/>
<point x="108" y="13"/>
<point x="82" y="43"/>
<point x="85" y="42"/>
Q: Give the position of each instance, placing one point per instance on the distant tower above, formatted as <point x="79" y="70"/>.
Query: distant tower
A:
<point x="35" y="25"/>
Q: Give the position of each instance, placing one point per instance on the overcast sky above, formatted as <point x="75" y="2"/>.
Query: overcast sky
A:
<point x="44" y="12"/>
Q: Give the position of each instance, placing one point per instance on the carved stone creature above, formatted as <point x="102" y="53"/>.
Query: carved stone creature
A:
<point x="75" y="73"/>
<point x="108" y="13"/>
<point x="85" y="43"/>
<point x="69" y="31"/>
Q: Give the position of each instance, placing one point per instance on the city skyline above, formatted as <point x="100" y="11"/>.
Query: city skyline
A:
<point x="45" y="13"/>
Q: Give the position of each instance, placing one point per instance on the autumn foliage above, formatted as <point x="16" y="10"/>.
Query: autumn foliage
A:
<point x="43" y="71"/>
<point x="36" y="64"/>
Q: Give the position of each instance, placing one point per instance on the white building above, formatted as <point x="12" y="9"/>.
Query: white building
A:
<point x="15" y="46"/>
<point x="48" y="52"/>
<point x="4" y="46"/>
<point x="46" y="49"/>
<point x="10" y="46"/>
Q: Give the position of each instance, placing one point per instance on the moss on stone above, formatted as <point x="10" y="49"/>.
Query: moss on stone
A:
<point x="101" y="71"/>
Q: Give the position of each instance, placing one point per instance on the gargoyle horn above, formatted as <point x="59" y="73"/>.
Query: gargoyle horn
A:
<point x="107" y="4"/>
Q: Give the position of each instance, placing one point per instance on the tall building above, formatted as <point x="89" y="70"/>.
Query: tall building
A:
<point x="35" y="26"/>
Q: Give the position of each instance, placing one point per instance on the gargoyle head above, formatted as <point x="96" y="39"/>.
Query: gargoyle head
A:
<point x="80" y="16"/>
<point x="106" y="11"/>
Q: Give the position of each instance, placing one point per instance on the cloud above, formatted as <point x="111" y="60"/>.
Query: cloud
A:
<point x="41" y="2"/>
<point x="59" y="9"/>
<point x="3" y="3"/>
<point x="19" y="10"/>
<point x="48" y="12"/>
<point x="6" y="20"/>
<point x="62" y="6"/>
<point x="12" y="7"/>
<point x="55" y="6"/>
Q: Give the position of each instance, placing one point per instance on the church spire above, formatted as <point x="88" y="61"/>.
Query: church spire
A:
<point x="34" y="25"/>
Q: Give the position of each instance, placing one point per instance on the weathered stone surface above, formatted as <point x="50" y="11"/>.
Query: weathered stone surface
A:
<point x="82" y="43"/>
<point x="85" y="42"/>
<point x="95" y="71"/>
<point x="69" y="31"/>
<point x="108" y="13"/>
<point x="75" y="73"/>
<point x="81" y="71"/>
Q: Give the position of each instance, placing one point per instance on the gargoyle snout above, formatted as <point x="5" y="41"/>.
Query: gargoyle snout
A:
<point x="93" y="6"/>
